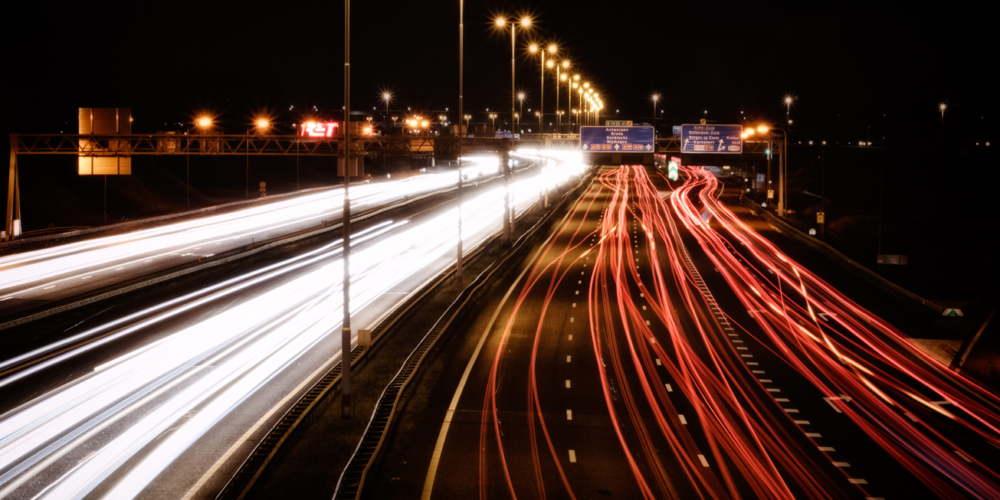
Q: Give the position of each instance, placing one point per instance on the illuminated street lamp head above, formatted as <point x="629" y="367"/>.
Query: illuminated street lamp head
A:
<point x="424" y="123"/>
<point x="442" y="117"/>
<point x="586" y="85"/>
<point x="563" y="77"/>
<point x="533" y="48"/>
<point x="500" y="22"/>
<point x="943" y="107"/>
<point x="575" y="85"/>
<point x="520" y="96"/>
<point x="576" y="77"/>
<point x="525" y="22"/>
<point x="553" y="48"/>
<point x="748" y="132"/>
<point x="550" y="64"/>
<point x="262" y="124"/>
<point x="386" y="96"/>
<point x="762" y="129"/>
<point x="565" y="64"/>
<point x="204" y="122"/>
<point x="656" y="97"/>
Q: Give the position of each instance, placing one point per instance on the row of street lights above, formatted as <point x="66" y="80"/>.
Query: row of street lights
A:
<point x="590" y="101"/>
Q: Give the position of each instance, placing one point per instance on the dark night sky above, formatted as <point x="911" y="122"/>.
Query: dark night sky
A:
<point x="856" y="69"/>
<point x="166" y="61"/>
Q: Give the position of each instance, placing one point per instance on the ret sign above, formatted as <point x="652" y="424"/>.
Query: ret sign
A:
<point x="711" y="139"/>
<point x="617" y="139"/>
<point x="318" y="129"/>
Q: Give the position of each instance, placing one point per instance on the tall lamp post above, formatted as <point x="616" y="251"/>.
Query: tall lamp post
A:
<point x="520" y="98"/>
<point x="525" y="23"/>
<point x="656" y="98"/>
<point x="493" y="116"/>
<point x="559" y="78"/>
<point x="551" y="49"/>
<point x="387" y="97"/>
<point x="345" y="331"/>
<point x="461" y="133"/>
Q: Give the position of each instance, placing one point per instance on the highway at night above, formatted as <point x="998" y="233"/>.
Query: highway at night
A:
<point x="659" y="347"/>
<point x="148" y="401"/>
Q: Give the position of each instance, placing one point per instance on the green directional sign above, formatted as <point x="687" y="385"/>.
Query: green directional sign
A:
<point x="672" y="170"/>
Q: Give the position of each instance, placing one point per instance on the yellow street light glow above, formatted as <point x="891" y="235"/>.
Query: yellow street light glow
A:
<point x="262" y="123"/>
<point x="586" y="85"/>
<point x="562" y="77"/>
<point x="553" y="48"/>
<point x="575" y="85"/>
<point x="525" y="21"/>
<point x="762" y="129"/>
<point x="533" y="48"/>
<point x="565" y="64"/>
<point x="501" y="21"/>
<point x="744" y="135"/>
<point x="576" y="77"/>
<point x="943" y="106"/>
<point x="550" y="64"/>
<point x="748" y="132"/>
<point x="424" y="123"/>
<point x="204" y="122"/>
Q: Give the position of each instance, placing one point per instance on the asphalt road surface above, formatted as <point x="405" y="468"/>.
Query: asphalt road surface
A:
<point x="659" y="346"/>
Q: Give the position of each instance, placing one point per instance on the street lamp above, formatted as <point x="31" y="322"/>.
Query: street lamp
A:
<point x="387" y="97"/>
<point x="788" y="99"/>
<point x="655" y="98"/>
<point x="467" y="118"/>
<point x="520" y="98"/>
<point x="525" y="23"/>
<point x="493" y="116"/>
<point x="551" y="49"/>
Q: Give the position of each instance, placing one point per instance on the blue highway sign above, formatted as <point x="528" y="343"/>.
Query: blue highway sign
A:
<point x="617" y="139"/>
<point x="711" y="139"/>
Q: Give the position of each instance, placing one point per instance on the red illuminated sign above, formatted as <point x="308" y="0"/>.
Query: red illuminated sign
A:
<point x="318" y="129"/>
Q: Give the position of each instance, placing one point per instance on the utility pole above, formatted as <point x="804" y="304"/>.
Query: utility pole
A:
<point x="345" y="331"/>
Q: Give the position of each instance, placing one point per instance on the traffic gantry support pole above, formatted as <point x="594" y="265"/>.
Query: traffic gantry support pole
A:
<point x="345" y="331"/>
<point x="508" y="223"/>
<point x="13" y="191"/>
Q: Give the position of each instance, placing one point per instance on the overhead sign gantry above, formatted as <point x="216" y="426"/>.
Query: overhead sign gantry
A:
<point x="617" y="145"/>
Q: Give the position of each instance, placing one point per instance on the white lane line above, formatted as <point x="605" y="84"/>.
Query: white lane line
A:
<point x="572" y="456"/>
<point x="773" y="389"/>
<point x="757" y="371"/>
<point x="669" y="389"/>
<point x="782" y="400"/>
<point x="658" y="363"/>
<point x="569" y="414"/>
<point x="6" y="298"/>
<point x="571" y="320"/>
<point x="854" y="480"/>
<point x="571" y="336"/>
<point x="641" y="296"/>
<point x="814" y="435"/>
<point x="963" y="457"/>
<point x="753" y="363"/>
<point x="567" y="384"/>
<point x="764" y="380"/>
<point x="790" y="410"/>
<point x="50" y="286"/>
<point x="647" y="322"/>
<point x="704" y="462"/>
<point x="830" y="402"/>
<point x="826" y="448"/>
<point x="842" y="465"/>
<point x="643" y="308"/>
<point x="682" y="419"/>
<point x="801" y="422"/>
<point x="579" y="282"/>
<point x="746" y="355"/>
<point x="574" y="304"/>
<point x="569" y="359"/>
